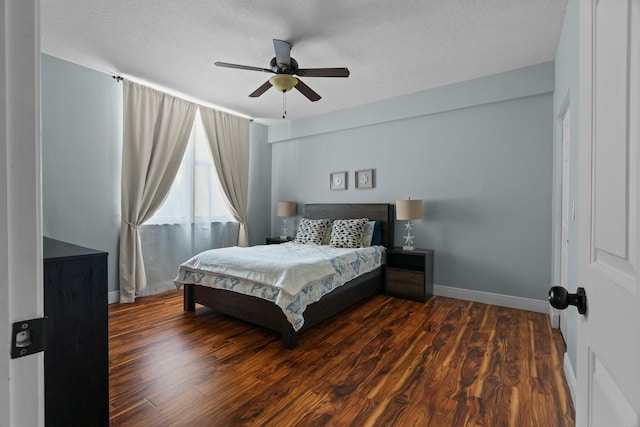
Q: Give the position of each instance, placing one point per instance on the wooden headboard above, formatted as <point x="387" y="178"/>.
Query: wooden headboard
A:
<point x="374" y="211"/>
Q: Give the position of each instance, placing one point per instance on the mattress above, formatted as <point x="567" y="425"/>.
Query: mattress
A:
<point x="290" y="275"/>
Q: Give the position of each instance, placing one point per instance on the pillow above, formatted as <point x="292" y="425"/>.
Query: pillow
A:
<point x="368" y="234"/>
<point x="372" y="233"/>
<point x="376" y="239"/>
<point x="347" y="233"/>
<point x="311" y="231"/>
<point x="327" y="235"/>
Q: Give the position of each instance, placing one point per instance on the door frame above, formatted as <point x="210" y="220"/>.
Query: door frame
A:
<point x="21" y="288"/>
<point x="566" y="208"/>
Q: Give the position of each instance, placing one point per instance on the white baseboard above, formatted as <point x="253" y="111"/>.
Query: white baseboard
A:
<point x="113" y="297"/>
<point x="563" y="324"/>
<point x="447" y="291"/>
<point x="156" y="289"/>
<point x="529" y="304"/>
<point x="571" y="378"/>
<point x="554" y="317"/>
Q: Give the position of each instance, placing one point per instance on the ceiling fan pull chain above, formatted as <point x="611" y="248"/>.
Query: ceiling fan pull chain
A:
<point x="284" y="103"/>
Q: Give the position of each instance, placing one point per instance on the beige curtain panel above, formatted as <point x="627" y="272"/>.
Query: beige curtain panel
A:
<point x="156" y="132"/>
<point x="228" y="137"/>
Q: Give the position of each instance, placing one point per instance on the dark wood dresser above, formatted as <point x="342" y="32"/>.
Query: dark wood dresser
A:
<point x="76" y="361"/>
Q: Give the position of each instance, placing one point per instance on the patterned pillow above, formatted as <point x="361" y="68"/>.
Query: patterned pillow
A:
<point x="347" y="233"/>
<point x="368" y="234"/>
<point x="311" y="231"/>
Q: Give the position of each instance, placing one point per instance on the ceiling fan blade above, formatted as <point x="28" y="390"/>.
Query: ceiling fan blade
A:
<point x="283" y="53"/>
<point x="262" y="89"/>
<point x="307" y="91"/>
<point x="323" y="72"/>
<point x="243" y="67"/>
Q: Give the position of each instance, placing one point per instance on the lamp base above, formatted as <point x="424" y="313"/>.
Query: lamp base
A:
<point x="408" y="248"/>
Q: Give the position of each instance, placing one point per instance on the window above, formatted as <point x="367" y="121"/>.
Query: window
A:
<point x="195" y="195"/>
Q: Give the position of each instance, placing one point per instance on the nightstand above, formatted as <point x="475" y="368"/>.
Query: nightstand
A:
<point x="277" y="240"/>
<point x="410" y="273"/>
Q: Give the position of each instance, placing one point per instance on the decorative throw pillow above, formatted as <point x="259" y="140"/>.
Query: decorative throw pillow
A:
<point x="368" y="234"/>
<point x="376" y="239"/>
<point x="311" y="231"/>
<point x="347" y="233"/>
<point x="327" y="235"/>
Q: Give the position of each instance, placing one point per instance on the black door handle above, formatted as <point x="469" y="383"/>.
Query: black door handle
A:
<point x="560" y="298"/>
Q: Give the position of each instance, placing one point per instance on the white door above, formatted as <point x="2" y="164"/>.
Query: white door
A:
<point x="21" y="379"/>
<point x="608" y="371"/>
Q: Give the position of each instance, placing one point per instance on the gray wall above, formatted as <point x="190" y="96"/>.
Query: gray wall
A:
<point x="259" y="185"/>
<point x="81" y="157"/>
<point x="81" y="161"/>
<point x="567" y="95"/>
<point x="478" y="153"/>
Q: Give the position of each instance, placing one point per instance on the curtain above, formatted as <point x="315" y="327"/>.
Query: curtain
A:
<point x="166" y="246"/>
<point x="156" y="131"/>
<point x="193" y="217"/>
<point x="228" y="137"/>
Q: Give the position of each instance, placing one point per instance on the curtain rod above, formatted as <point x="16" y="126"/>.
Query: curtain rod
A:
<point x="118" y="79"/>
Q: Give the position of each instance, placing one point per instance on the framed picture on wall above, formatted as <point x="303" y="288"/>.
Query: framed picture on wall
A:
<point x="338" y="181"/>
<point x="364" y="179"/>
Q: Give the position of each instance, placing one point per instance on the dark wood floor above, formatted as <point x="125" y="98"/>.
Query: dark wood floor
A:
<point x="385" y="362"/>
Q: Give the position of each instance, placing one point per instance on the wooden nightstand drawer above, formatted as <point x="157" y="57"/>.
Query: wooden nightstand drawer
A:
<point x="405" y="283"/>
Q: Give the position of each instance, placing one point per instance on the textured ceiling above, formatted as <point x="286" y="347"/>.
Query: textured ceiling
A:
<point x="391" y="47"/>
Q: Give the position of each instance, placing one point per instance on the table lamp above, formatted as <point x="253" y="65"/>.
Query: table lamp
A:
<point x="407" y="210"/>
<point x="285" y="210"/>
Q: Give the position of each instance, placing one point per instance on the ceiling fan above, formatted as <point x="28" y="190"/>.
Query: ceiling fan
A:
<point x="285" y="69"/>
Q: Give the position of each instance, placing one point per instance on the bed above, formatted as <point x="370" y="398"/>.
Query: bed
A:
<point x="266" y="314"/>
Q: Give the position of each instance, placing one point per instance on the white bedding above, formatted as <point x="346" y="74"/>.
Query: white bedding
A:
<point x="291" y="275"/>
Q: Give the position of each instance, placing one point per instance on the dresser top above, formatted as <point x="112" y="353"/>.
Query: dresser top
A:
<point x="55" y="249"/>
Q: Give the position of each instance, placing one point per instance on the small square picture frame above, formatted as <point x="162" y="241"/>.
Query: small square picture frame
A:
<point x="364" y="179"/>
<point x="338" y="181"/>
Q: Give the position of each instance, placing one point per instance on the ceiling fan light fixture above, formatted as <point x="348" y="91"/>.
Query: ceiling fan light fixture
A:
<point x="283" y="82"/>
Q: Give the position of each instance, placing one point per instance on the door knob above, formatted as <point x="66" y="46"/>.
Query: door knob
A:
<point x="560" y="298"/>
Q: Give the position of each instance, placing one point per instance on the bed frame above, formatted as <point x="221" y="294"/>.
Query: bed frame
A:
<point x="266" y="314"/>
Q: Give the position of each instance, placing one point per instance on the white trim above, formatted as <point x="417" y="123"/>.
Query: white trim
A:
<point x="554" y="317"/>
<point x="570" y="377"/>
<point x="564" y="321"/>
<point x="450" y="292"/>
<point x="113" y="297"/>
<point x="165" y="287"/>
<point x="529" y="304"/>
<point x="21" y="267"/>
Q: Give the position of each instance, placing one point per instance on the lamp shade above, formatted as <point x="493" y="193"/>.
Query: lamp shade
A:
<point x="408" y="209"/>
<point x="286" y="208"/>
